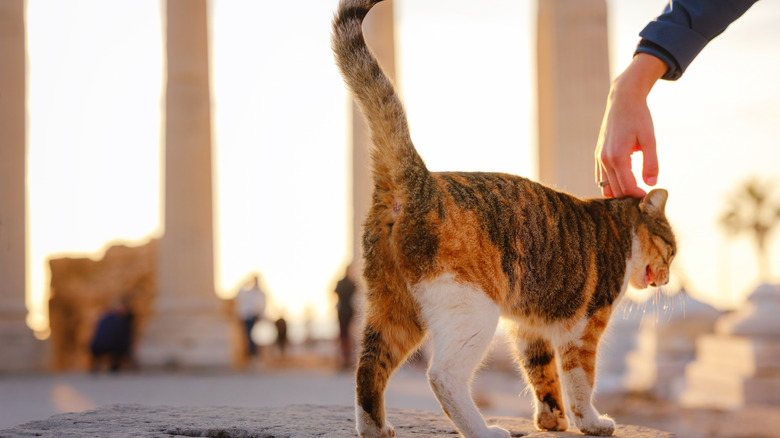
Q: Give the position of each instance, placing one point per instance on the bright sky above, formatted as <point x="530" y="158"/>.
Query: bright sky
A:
<point x="280" y="152"/>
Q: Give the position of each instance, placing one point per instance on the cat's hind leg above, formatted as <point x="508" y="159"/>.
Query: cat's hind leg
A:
<point x="541" y="371"/>
<point x="578" y="363"/>
<point x="392" y="331"/>
<point x="462" y="321"/>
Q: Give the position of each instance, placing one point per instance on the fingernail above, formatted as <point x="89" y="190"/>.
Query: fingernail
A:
<point x="652" y="180"/>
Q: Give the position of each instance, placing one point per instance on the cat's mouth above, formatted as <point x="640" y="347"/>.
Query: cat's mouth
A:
<point x="659" y="277"/>
<point x="649" y="276"/>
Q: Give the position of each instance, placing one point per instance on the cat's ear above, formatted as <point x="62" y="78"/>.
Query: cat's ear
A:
<point x="654" y="203"/>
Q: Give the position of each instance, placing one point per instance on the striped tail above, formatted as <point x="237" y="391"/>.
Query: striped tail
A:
<point x="396" y="164"/>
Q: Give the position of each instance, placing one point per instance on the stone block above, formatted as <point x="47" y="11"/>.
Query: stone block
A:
<point x="759" y="357"/>
<point x="707" y="385"/>
<point x="740" y="364"/>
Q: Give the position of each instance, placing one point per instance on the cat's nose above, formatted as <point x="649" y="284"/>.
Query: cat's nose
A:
<point x="663" y="277"/>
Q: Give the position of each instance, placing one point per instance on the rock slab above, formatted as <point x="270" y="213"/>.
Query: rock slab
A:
<point x="294" y="421"/>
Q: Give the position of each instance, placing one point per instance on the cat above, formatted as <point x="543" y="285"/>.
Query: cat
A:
<point x="447" y="254"/>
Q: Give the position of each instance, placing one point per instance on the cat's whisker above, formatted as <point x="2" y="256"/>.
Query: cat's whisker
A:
<point x="669" y="298"/>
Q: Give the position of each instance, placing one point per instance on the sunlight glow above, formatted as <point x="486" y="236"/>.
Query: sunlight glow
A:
<point x="94" y="130"/>
<point x="280" y="132"/>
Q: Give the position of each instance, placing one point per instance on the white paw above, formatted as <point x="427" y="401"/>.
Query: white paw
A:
<point x="497" y="432"/>
<point x="598" y="426"/>
<point x="551" y="421"/>
<point x="369" y="430"/>
<point x="366" y="427"/>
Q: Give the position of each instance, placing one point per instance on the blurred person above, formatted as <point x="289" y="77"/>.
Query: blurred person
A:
<point x="281" y="335"/>
<point x="667" y="47"/>
<point x="308" y="324"/>
<point x="345" y="290"/>
<point x="250" y="307"/>
<point x="112" y="339"/>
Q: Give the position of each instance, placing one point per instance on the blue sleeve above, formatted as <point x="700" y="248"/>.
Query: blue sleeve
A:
<point x="685" y="27"/>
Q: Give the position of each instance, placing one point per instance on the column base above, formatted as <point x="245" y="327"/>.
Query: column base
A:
<point x="20" y="351"/>
<point x="204" y="340"/>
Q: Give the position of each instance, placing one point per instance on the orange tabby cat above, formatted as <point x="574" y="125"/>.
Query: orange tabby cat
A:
<point x="448" y="253"/>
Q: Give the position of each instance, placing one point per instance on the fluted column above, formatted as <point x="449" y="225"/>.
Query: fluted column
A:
<point x="18" y="348"/>
<point x="573" y="82"/>
<point x="189" y="327"/>
<point x="379" y="34"/>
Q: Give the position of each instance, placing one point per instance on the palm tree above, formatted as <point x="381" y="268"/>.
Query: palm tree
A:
<point x="751" y="210"/>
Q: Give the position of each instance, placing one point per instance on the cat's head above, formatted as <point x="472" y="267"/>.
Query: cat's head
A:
<point x="654" y="244"/>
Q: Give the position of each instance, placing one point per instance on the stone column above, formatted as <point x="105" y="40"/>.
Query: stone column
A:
<point x="190" y="326"/>
<point x="573" y="82"/>
<point x="379" y="34"/>
<point x="18" y="348"/>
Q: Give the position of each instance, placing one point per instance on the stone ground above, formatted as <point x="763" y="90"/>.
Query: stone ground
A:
<point x="286" y="422"/>
<point x="747" y="422"/>
<point x="264" y="389"/>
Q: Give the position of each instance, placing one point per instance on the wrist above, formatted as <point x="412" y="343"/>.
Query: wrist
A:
<point x="640" y="76"/>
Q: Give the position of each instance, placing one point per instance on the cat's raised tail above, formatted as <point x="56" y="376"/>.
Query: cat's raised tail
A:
<point x="395" y="162"/>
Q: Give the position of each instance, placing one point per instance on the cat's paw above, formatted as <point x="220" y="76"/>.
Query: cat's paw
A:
<point x="599" y="426"/>
<point x="369" y="430"/>
<point x="551" y="421"/>
<point x="497" y="432"/>
<point x="366" y="427"/>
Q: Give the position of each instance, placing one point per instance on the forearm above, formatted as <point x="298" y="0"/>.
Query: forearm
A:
<point x="685" y="28"/>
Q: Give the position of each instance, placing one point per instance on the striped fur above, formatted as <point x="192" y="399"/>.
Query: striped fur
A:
<point x="446" y="253"/>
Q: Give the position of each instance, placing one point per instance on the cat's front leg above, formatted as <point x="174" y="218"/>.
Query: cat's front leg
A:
<point x="537" y="358"/>
<point x="586" y="417"/>
<point x="367" y="426"/>
<point x="578" y="363"/>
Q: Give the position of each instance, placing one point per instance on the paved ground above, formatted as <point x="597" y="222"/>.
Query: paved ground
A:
<point x="27" y="398"/>
<point x="295" y="421"/>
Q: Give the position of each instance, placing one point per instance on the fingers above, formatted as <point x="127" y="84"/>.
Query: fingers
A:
<point x="616" y="172"/>
<point x="603" y="180"/>
<point x="649" y="160"/>
<point x="627" y="183"/>
<point x="618" y="140"/>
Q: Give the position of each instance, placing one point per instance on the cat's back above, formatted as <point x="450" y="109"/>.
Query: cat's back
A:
<point x="513" y="211"/>
<point x="515" y="237"/>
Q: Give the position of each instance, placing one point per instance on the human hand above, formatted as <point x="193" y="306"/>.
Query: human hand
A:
<point x="627" y="127"/>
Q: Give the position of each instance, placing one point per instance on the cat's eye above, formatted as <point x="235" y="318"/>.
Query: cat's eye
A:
<point x="665" y="251"/>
